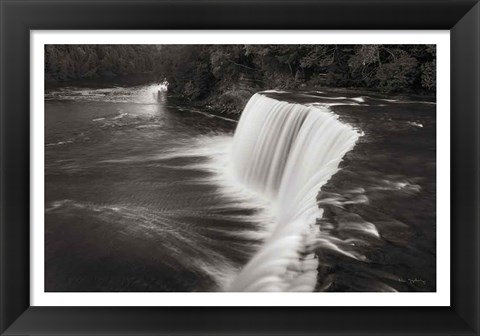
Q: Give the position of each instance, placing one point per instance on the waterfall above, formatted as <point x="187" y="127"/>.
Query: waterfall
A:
<point x="285" y="153"/>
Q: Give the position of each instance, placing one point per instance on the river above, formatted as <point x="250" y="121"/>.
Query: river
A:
<point x="141" y="194"/>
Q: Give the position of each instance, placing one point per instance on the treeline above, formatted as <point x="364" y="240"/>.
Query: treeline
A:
<point x="225" y="76"/>
<point x="194" y="70"/>
<point x="68" y="62"/>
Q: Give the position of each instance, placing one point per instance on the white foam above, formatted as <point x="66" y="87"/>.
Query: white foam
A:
<point x="285" y="152"/>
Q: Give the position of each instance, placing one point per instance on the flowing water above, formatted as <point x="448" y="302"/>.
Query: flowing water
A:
<point x="144" y="193"/>
<point x="286" y="152"/>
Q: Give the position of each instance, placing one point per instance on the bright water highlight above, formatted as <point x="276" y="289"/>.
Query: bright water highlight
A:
<point x="285" y="152"/>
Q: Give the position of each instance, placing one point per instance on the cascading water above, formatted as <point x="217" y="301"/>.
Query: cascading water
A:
<point x="185" y="206"/>
<point x="285" y="152"/>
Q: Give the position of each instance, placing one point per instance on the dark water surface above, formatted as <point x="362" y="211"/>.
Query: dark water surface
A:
<point x="133" y="199"/>
<point x="386" y="183"/>
<point x="139" y="196"/>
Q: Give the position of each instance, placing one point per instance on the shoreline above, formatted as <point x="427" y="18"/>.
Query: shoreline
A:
<point x="232" y="100"/>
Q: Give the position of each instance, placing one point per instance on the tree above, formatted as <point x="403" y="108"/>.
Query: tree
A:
<point x="66" y="62"/>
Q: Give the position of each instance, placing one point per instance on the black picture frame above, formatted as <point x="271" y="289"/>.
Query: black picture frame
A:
<point x="18" y="17"/>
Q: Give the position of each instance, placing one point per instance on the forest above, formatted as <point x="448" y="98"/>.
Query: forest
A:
<point x="226" y="75"/>
<point x="89" y="61"/>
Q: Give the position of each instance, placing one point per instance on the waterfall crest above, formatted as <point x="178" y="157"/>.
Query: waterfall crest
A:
<point x="285" y="152"/>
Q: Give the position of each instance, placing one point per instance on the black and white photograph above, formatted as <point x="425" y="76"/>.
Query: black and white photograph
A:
<point x="240" y="168"/>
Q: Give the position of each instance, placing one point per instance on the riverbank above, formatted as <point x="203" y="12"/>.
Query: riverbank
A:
<point x="232" y="102"/>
